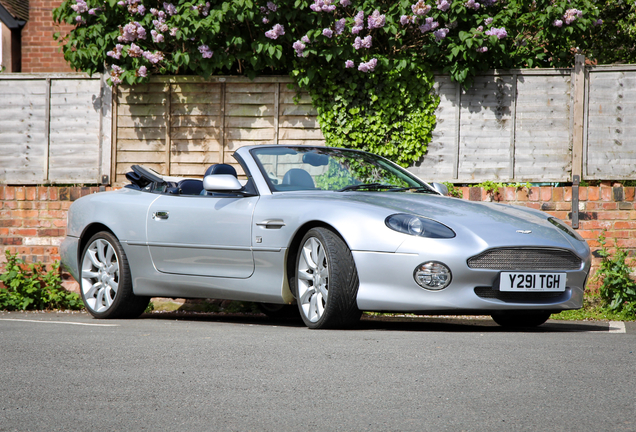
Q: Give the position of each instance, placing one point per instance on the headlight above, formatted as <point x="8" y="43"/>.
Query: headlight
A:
<point x="563" y="227"/>
<point x="432" y="275"/>
<point x="418" y="226"/>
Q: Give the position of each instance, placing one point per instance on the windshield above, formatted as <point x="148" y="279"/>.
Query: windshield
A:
<point x="298" y="168"/>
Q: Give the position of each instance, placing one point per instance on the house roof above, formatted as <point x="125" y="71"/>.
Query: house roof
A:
<point x="17" y="8"/>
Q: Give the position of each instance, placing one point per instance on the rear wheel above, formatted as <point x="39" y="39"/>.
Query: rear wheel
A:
<point x="326" y="281"/>
<point x="521" y="319"/>
<point x="106" y="284"/>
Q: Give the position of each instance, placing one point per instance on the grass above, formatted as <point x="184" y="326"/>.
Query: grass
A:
<point x="593" y="310"/>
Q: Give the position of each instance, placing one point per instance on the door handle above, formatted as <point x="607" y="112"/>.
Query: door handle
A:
<point x="160" y="215"/>
<point x="271" y="223"/>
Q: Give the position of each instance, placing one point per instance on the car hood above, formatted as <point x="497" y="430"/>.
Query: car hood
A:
<point x="490" y="224"/>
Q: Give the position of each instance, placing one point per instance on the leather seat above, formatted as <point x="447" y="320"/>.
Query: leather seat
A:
<point x="299" y="178"/>
<point x="221" y="169"/>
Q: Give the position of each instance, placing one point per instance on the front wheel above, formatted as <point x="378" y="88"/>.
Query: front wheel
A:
<point x="106" y="284"/>
<point x="326" y="281"/>
<point x="521" y="319"/>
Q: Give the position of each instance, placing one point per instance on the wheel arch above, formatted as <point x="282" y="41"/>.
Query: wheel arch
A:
<point x="89" y="232"/>
<point x="294" y="244"/>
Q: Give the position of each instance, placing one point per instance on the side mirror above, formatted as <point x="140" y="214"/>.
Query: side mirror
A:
<point x="221" y="182"/>
<point x="441" y="188"/>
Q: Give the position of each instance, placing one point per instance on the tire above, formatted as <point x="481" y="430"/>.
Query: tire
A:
<point x="106" y="285"/>
<point x="279" y="312"/>
<point x="521" y="319"/>
<point x="326" y="281"/>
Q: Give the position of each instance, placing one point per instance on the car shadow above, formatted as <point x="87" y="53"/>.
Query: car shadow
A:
<point x="392" y="323"/>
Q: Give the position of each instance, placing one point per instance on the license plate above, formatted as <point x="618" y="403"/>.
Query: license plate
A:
<point x="535" y="282"/>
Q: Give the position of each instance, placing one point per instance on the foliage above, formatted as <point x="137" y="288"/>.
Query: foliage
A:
<point x="618" y="289"/>
<point x="390" y="113"/>
<point x="593" y="310"/>
<point x="31" y="287"/>
<point x="367" y="65"/>
<point x="493" y="187"/>
<point x="453" y="191"/>
<point x="615" y="40"/>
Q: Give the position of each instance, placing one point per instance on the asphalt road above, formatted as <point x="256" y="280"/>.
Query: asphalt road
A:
<point x="202" y="372"/>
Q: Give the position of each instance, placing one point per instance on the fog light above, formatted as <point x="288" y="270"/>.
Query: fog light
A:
<point x="432" y="275"/>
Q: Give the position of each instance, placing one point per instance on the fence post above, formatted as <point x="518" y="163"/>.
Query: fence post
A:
<point x="579" y="100"/>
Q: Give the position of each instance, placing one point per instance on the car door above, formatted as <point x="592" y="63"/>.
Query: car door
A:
<point x="201" y="235"/>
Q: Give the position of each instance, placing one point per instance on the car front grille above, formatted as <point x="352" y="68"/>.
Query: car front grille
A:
<point x="526" y="259"/>
<point x="515" y="297"/>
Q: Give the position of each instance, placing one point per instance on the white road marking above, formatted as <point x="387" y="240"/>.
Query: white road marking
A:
<point x="617" y="327"/>
<point x="60" y="322"/>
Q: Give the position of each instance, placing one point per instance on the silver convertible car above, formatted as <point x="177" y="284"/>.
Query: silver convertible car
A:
<point x="324" y="233"/>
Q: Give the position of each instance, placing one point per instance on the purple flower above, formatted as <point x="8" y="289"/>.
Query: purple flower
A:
<point x="345" y="3"/>
<point x="420" y="8"/>
<point x="121" y="3"/>
<point x="156" y="37"/>
<point x="277" y="30"/>
<point x="322" y="6"/>
<point x="131" y="32"/>
<point x="571" y="15"/>
<point x="349" y="64"/>
<point x="488" y="21"/>
<point x="480" y="29"/>
<point x="305" y="39"/>
<point x="429" y="24"/>
<point x="115" y="74"/>
<point x="79" y="19"/>
<point x="298" y="46"/>
<point x="598" y="22"/>
<point x="557" y="23"/>
<point x="486" y="3"/>
<point x="154" y="12"/>
<point x="327" y="32"/>
<point x="443" y="5"/>
<point x="472" y="4"/>
<point x="141" y="10"/>
<point x="263" y="10"/>
<point x="404" y="20"/>
<point x="358" y="20"/>
<point x="173" y="31"/>
<point x="92" y="11"/>
<point x="499" y="32"/>
<point x="142" y="72"/>
<point x="482" y="49"/>
<point x="135" y="51"/>
<point x="153" y="58"/>
<point x="271" y="6"/>
<point x="205" y="51"/>
<point x="340" y="26"/>
<point x="116" y="52"/>
<point x="368" y="66"/>
<point x="80" y="7"/>
<point x="376" y="20"/>
<point x="357" y="43"/>
<point x="440" y="34"/>
<point x="366" y="42"/>
<point x="265" y="21"/>
<point x="170" y="8"/>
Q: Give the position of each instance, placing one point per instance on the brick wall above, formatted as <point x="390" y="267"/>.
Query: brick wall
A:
<point x="33" y="219"/>
<point x="40" y="52"/>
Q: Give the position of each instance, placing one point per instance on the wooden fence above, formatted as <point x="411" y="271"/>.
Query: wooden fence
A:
<point x="538" y="125"/>
<point x="54" y="128"/>
<point x="534" y="125"/>
<point x="181" y="125"/>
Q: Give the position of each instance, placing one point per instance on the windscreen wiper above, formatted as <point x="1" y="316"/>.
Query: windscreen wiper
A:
<point x="419" y="189"/>
<point x="369" y="186"/>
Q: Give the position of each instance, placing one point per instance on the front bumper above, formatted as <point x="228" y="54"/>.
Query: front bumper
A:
<point x="387" y="284"/>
